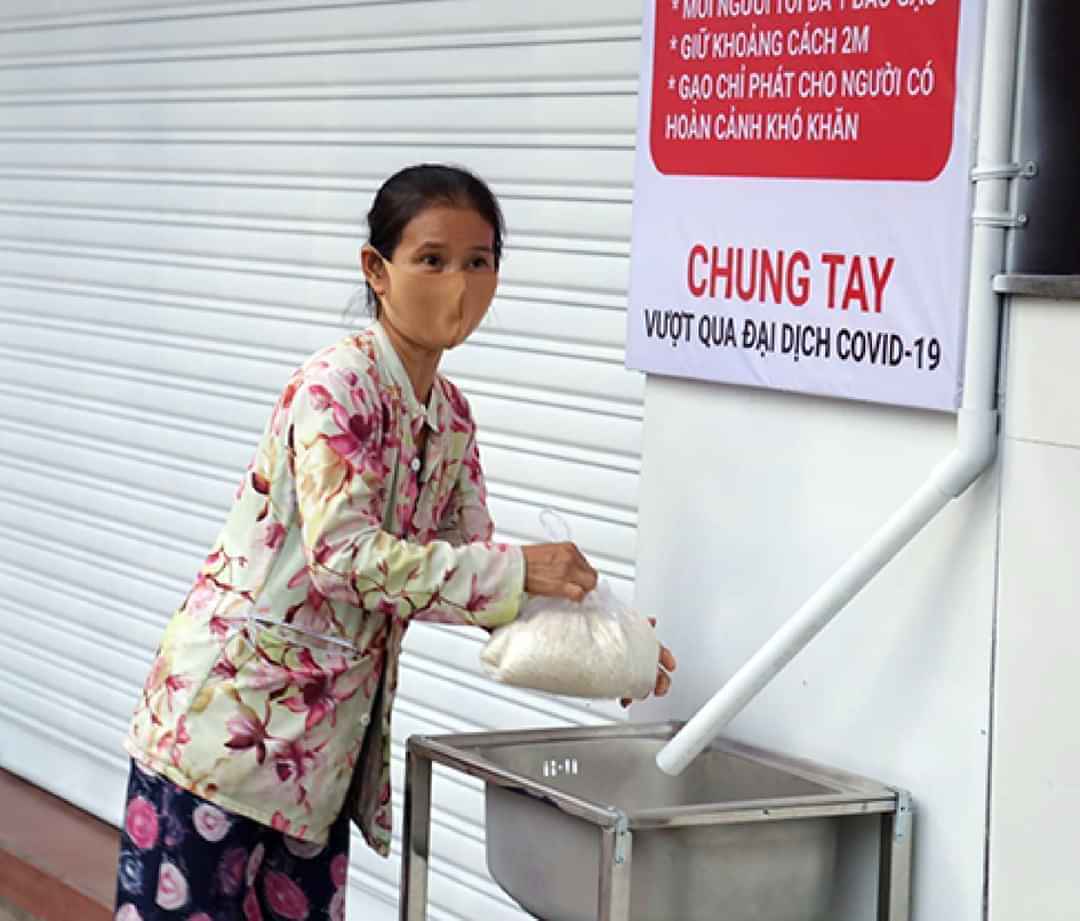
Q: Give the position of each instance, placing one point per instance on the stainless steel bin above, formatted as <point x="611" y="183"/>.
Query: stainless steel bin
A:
<point x="581" y="825"/>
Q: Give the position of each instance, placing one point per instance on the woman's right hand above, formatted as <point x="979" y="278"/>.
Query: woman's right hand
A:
<point x="558" y="571"/>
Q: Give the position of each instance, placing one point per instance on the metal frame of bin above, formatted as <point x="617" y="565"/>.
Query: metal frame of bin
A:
<point x="857" y="797"/>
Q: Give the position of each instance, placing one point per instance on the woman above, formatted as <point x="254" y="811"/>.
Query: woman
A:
<point x="265" y="722"/>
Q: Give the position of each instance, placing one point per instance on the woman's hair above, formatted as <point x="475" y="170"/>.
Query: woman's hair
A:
<point x="412" y="190"/>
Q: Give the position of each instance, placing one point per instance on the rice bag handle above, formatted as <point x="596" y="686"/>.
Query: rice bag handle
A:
<point x="555" y="527"/>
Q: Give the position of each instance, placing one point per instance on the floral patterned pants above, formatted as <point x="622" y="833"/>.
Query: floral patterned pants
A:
<point x="184" y="859"/>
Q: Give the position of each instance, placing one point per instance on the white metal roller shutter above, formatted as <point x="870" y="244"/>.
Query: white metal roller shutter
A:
<point x="182" y="191"/>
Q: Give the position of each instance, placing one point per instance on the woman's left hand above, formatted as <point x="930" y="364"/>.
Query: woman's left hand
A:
<point x="666" y="664"/>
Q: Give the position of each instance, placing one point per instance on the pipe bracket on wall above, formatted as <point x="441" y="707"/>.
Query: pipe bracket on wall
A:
<point x="1000" y="219"/>
<point x="1028" y="170"/>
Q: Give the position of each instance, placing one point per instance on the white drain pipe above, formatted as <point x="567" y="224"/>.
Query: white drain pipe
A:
<point x="976" y="427"/>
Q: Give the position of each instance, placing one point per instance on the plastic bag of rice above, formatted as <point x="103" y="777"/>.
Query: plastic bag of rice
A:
<point x="594" y="648"/>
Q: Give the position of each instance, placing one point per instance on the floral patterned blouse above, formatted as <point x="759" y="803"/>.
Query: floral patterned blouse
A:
<point x="272" y="689"/>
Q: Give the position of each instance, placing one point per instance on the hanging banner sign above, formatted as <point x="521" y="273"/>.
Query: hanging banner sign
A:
<point x="802" y="195"/>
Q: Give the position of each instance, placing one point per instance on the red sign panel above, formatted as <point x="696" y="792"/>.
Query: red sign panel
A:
<point x="814" y="89"/>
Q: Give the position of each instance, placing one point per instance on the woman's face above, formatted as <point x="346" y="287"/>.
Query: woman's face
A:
<point x="440" y="280"/>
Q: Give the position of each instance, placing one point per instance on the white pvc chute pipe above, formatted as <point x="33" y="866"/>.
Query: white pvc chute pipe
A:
<point x="976" y="442"/>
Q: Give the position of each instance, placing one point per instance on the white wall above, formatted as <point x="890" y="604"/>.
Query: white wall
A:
<point x="1035" y="808"/>
<point x="750" y="499"/>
